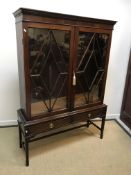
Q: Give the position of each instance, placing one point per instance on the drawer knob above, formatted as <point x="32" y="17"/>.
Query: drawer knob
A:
<point x="51" y="125"/>
<point x="89" y="115"/>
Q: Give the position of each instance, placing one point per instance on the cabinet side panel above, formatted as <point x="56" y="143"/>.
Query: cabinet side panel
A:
<point x="20" y="58"/>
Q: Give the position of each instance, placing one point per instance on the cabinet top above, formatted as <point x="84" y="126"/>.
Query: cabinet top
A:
<point x="26" y="11"/>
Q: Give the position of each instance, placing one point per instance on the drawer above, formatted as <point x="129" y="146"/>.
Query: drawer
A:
<point x="83" y="117"/>
<point x="79" y="116"/>
<point x="97" y="113"/>
<point x="49" y="125"/>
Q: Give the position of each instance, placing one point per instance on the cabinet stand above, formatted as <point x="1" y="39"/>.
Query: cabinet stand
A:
<point x="25" y="138"/>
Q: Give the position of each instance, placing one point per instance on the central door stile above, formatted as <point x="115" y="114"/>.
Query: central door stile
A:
<point x="74" y="39"/>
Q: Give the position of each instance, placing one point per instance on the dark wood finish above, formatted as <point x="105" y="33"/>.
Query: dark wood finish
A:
<point x="61" y="46"/>
<point x="126" y="104"/>
<point x="30" y="15"/>
<point x="32" y="131"/>
<point x="20" y="56"/>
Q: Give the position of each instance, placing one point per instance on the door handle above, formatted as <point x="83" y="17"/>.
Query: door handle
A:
<point x="74" y="79"/>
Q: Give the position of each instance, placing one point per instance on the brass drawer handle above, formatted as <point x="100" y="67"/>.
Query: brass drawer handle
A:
<point x="89" y="115"/>
<point x="51" y="125"/>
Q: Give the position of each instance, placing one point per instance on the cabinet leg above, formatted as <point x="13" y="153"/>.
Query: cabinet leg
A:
<point x="20" y="136"/>
<point x="88" y="123"/>
<point x="102" y="127"/>
<point x="27" y="152"/>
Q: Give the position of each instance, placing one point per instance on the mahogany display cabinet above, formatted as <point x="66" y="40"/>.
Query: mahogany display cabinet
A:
<point x="62" y="62"/>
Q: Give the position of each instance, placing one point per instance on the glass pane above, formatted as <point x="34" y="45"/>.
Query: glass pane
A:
<point x="90" y="67"/>
<point x="49" y="59"/>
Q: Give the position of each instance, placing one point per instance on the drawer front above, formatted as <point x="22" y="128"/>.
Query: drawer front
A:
<point x="49" y="125"/>
<point x="83" y="117"/>
<point x="65" y="121"/>
<point x="97" y="113"/>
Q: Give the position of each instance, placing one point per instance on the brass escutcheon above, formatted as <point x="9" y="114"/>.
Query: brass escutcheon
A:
<point x="89" y="115"/>
<point x="51" y="125"/>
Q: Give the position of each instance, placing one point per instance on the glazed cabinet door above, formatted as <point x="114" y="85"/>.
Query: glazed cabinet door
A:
<point x="90" y="68"/>
<point x="49" y="68"/>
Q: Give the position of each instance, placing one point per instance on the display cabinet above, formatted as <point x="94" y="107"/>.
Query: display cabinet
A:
<point x="62" y="61"/>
